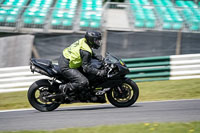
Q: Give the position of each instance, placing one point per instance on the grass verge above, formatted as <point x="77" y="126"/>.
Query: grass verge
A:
<point x="149" y="91"/>
<point x="170" y="90"/>
<point x="192" y="127"/>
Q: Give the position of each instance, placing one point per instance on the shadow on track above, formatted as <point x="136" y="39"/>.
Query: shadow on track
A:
<point x="94" y="108"/>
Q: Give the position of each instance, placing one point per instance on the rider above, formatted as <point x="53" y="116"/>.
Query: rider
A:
<point x="79" y="55"/>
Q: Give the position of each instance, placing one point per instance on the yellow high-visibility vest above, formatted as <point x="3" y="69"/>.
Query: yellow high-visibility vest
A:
<point x="73" y="52"/>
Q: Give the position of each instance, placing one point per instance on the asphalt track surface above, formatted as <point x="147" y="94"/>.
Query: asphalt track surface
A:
<point x="105" y="114"/>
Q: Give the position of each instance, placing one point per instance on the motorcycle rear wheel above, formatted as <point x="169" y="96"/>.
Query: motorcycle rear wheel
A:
<point x="124" y="95"/>
<point x="35" y="93"/>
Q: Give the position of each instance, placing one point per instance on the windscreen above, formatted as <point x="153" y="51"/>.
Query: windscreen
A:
<point x="111" y="59"/>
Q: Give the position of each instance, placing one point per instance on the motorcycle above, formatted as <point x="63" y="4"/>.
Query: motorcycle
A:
<point x="44" y="95"/>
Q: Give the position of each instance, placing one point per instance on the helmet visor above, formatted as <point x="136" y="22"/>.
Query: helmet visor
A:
<point x="97" y="43"/>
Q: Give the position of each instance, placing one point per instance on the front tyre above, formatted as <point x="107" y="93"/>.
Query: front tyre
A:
<point x="37" y="93"/>
<point x="124" y="95"/>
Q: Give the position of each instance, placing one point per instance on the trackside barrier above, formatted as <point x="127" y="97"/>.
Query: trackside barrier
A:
<point x="141" y="69"/>
<point x="17" y="78"/>
<point x="164" y="68"/>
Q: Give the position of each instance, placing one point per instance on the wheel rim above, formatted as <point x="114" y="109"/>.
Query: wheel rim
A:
<point x="40" y="94"/>
<point x="123" y="93"/>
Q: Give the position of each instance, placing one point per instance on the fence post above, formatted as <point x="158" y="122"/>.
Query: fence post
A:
<point x="35" y="52"/>
<point x="104" y="44"/>
<point x="178" y="43"/>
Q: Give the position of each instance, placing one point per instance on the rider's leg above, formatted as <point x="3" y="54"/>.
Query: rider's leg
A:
<point x="76" y="78"/>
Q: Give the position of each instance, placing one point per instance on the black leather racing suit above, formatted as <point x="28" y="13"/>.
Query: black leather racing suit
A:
<point x="76" y="78"/>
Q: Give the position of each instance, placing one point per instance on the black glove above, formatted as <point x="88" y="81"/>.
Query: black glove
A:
<point x="102" y="73"/>
<point x="99" y="57"/>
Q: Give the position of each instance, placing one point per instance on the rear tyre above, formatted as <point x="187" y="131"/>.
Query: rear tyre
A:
<point x="36" y="93"/>
<point x="124" y="95"/>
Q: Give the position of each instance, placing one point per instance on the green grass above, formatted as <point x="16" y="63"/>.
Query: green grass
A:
<point x="13" y="100"/>
<point x="170" y="90"/>
<point x="192" y="127"/>
<point x="149" y="91"/>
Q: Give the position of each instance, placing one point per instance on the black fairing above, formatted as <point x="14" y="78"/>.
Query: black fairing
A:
<point x="42" y="66"/>
<point x="117" y="75"/>
<point x="123" y="70"/>
<point x="41" y="62"/>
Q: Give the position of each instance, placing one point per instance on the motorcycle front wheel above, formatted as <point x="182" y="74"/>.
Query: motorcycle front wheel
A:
<point x="37" y="93"/>
<point x="124" y="95"/>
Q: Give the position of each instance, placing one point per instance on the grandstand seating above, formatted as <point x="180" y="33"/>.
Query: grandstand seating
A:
<point x="144" y="17"/>
<point x="90" y="13"/>
<point x="169" y="18"/>
<point x="63" y="13"/>
<point x="9" y="13"/>
<point x="36" y="13"/>
<point x="190" y="13"/>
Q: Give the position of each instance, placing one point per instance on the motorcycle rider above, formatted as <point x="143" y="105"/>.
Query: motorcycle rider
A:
<point x="79" y="55"/>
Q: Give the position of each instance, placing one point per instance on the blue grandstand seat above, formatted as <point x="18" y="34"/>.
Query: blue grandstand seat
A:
<point x="36" y="13"/>
<point x="10" y="11"/>
<point x="143" y="17"/>
<point x="191" y="14"/>
<point x="162" y="12"/>
<point x="170" y="17"/>
<point x="63" y="14"/>
<point x="90" y="16"/>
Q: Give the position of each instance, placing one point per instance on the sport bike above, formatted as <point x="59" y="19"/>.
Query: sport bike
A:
<point x="44" y="95"/>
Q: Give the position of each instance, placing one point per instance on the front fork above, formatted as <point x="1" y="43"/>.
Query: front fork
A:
<point x="119" y="89"/>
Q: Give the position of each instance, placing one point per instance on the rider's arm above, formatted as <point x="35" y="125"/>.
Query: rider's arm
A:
<point x="98" y="57"/>
<point x="86" y="58"/>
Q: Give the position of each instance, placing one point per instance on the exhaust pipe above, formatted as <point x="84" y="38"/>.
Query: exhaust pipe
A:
<point x="38" y="70"/>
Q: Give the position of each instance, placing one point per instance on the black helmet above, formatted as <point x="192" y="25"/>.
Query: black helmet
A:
<point x="93" y="39"/>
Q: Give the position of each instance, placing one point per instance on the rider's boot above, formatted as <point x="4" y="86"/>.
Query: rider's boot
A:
<point x="66" y="90"/>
